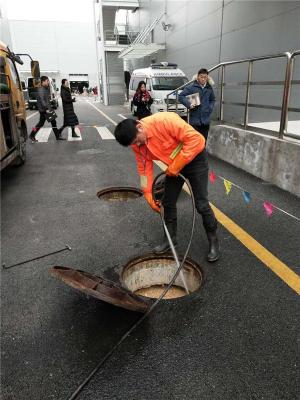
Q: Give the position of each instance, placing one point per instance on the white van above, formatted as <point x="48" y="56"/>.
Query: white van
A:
<point x="161" y="79"/>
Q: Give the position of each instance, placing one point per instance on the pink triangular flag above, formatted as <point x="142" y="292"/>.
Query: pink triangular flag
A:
<point x="269" y="208"/>
<point x="212" y="177"/>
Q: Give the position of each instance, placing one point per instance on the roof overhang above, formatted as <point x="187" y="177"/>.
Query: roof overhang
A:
<point x="140" y="50"/>
<point x="121" y="4"/>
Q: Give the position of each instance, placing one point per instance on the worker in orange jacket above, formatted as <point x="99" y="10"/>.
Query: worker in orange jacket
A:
<point x="167" y="137"/>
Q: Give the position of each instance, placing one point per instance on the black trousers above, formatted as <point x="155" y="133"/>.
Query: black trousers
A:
<point x="197" y="173"/>
<point x="41" y="123"/>
<point x="65" y="126"/>
<point x="203" y="129"/>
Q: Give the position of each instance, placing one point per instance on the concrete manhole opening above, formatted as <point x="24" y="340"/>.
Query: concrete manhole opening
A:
<point x="148" y="276"/>
<point x="119" y="193"/>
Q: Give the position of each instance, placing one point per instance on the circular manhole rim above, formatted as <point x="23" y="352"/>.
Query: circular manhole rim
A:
<point x="120" y="189"/>
<point x="167" y="256"/>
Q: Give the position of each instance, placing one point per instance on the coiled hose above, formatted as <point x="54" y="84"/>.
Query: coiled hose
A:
<point x="156" y="302"/>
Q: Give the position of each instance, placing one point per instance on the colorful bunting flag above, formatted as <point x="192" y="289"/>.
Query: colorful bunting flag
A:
<point x="247" y="196"/>
<point x="212" y="177"/>
<point x="268" y="208"/>
<point x="227" y="185"/>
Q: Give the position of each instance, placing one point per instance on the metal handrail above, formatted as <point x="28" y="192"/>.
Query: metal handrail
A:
<point x="114" y="36"/>
<point x="286" y="92"/>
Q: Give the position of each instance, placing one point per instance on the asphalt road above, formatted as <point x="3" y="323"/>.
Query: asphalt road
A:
<point x="236" y="338"/>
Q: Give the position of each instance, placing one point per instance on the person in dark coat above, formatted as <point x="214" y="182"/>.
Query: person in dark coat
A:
<point x="142" y="100"/>
<point x="70" y="118"/>
<point x="44" y="106"/>
<point x="199" y="115"/>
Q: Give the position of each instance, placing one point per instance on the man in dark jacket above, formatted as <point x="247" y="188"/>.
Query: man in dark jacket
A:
<point x="44" y="106"/>
<point x="199" y="115"/>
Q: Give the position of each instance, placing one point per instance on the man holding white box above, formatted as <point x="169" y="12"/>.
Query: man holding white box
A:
<point x="199" y="98"/>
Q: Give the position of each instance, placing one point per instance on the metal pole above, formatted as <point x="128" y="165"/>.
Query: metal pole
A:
<point x="222" y="93"/>
<point x="67" y="247"/>
<point x="286" y="95"/>
<point x="97" y="52"/>
<point x="103" y="57"/>
<point x="176" y="106"/>
<point x="246" y="115"/>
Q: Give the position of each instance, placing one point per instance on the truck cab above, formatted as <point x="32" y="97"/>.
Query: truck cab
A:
<point x="161" y="79"/>
<point x="13" y="129"/>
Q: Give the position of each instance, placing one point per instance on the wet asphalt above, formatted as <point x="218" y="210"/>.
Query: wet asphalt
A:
<point x="236" y="338"/>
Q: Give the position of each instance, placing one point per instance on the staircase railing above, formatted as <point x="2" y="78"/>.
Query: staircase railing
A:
<point x="287" y="84"/>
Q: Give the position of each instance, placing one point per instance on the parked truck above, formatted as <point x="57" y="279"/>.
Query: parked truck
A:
<point x="13" y="128"/>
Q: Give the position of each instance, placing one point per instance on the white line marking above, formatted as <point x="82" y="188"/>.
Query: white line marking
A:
<point x="74" y="139"/>
<point x="43" y="135"/>
<point x="101" y="112"/>
<point x="31" y="115"/>
<point x="122" y="116"/>
<point x="104" y="132"/>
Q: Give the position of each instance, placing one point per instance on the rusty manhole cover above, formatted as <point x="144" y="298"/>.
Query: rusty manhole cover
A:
<point x="148" y="276"/>
<point x="119" y="193"/>
<point x="100" y="288"/>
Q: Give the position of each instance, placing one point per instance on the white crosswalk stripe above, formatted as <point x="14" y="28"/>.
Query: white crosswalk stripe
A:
<point x="43" y="134"/>
<point x="104" y="132"/>
<point x="74" y="139"/>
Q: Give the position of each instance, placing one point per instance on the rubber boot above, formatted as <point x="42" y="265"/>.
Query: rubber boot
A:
<point x="74" y="134"/>
<point x="214" y="246"/>
<point x="165" y="245"/>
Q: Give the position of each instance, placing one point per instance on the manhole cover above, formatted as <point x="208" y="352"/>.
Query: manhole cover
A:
<point x="119" y="193"/>
<point x="148" y="276"/>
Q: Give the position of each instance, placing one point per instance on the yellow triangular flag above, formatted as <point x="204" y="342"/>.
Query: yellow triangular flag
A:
<point x="227" y="185"/>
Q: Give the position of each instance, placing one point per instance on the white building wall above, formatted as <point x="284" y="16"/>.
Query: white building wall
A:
<point x="204" y="33"/>
<point x="5" y="35"/>
<point x="62" y="47"/>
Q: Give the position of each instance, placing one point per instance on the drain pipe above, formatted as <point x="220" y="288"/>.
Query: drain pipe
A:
<point x="156" y="302"/>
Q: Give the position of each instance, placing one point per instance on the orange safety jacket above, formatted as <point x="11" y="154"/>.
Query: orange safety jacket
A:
<point x="167" y="136"/>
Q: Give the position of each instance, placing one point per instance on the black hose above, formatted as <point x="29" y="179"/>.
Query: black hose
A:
<point x="153" y="306"/>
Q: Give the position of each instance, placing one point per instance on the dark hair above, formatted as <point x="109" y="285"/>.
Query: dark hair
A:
<point x="140" y="84"/>
<point x="126" y="131"/>
<point x="44" y="78"/>
<point x="203" y="71"/>
<point x="63" y="82"/>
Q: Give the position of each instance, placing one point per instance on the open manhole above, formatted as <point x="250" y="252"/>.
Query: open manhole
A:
<point x="119" y="193"/>
<point x="143" y="279"/>
<point x="149" y="276"/>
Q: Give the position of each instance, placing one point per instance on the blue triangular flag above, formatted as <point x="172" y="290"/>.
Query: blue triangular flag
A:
<point x="246" y="196"/>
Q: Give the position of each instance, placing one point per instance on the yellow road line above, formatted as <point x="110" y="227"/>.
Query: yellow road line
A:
<point x="264" y="255"/>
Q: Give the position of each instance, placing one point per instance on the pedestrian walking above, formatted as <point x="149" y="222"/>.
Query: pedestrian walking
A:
<point x="199" y="115"/>
<point x="70" y="118"/>
<point x="45" y="108"/>
<point x="167" y="137"/>
<point x="143" y="100"/>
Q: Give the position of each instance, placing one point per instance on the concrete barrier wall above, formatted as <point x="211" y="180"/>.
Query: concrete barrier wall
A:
<point x="274" y="160"/>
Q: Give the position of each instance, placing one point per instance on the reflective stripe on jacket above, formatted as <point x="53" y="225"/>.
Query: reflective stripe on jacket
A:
<point x="167" y="135"/>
